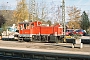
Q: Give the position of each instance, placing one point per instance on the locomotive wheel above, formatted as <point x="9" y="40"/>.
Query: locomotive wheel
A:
<point x="44" y="38"/>
<point x="36" y="38"/>
<point x="33" y="38"/>
<point x="39" y="38"/>
<point x="20" y="40"/>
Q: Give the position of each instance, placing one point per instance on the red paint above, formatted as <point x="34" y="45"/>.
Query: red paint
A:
<point x="37" y="28"/>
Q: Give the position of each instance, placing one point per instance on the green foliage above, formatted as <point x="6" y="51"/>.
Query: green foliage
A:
<point x="4" y="27"/>
<point x="84" y="21"/>
<point x="1" y="30"/>
<point x="76" y="36"/>
<point x="2" y="20"/>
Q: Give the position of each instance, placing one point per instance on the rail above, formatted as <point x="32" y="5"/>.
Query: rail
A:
<point x="20" y="54"/>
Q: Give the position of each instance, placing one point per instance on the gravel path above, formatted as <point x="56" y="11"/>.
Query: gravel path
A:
<point x="49" y="46"/>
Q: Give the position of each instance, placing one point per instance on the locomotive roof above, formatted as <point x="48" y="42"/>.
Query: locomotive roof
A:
<point x="27" y="22"/>
<point x="24" y="22"/>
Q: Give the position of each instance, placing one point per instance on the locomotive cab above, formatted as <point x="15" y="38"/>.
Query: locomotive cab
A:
<point x="23" y="31"/>
<point x="26" y="30"/>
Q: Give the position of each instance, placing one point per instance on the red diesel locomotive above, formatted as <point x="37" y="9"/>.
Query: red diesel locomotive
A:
<point x="35" y="31"/>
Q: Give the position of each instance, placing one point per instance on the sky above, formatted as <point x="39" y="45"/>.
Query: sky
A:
<point x="83" y="5"/>
<point x="11" y="3"/>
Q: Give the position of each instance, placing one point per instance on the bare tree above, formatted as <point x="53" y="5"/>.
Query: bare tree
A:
<point x="58" y="14"/>
<point x="44" y="11"/>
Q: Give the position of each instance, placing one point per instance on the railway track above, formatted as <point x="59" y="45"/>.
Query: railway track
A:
<point x="38" y="54"/>
<point x="15" y="54"/>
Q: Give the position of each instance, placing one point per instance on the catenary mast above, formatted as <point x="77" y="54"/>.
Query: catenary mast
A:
<point x="63" y="16"/>
<point x="32" y="9"/>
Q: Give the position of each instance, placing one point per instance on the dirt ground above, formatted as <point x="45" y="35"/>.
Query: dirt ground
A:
<point x="49" y="46"/>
